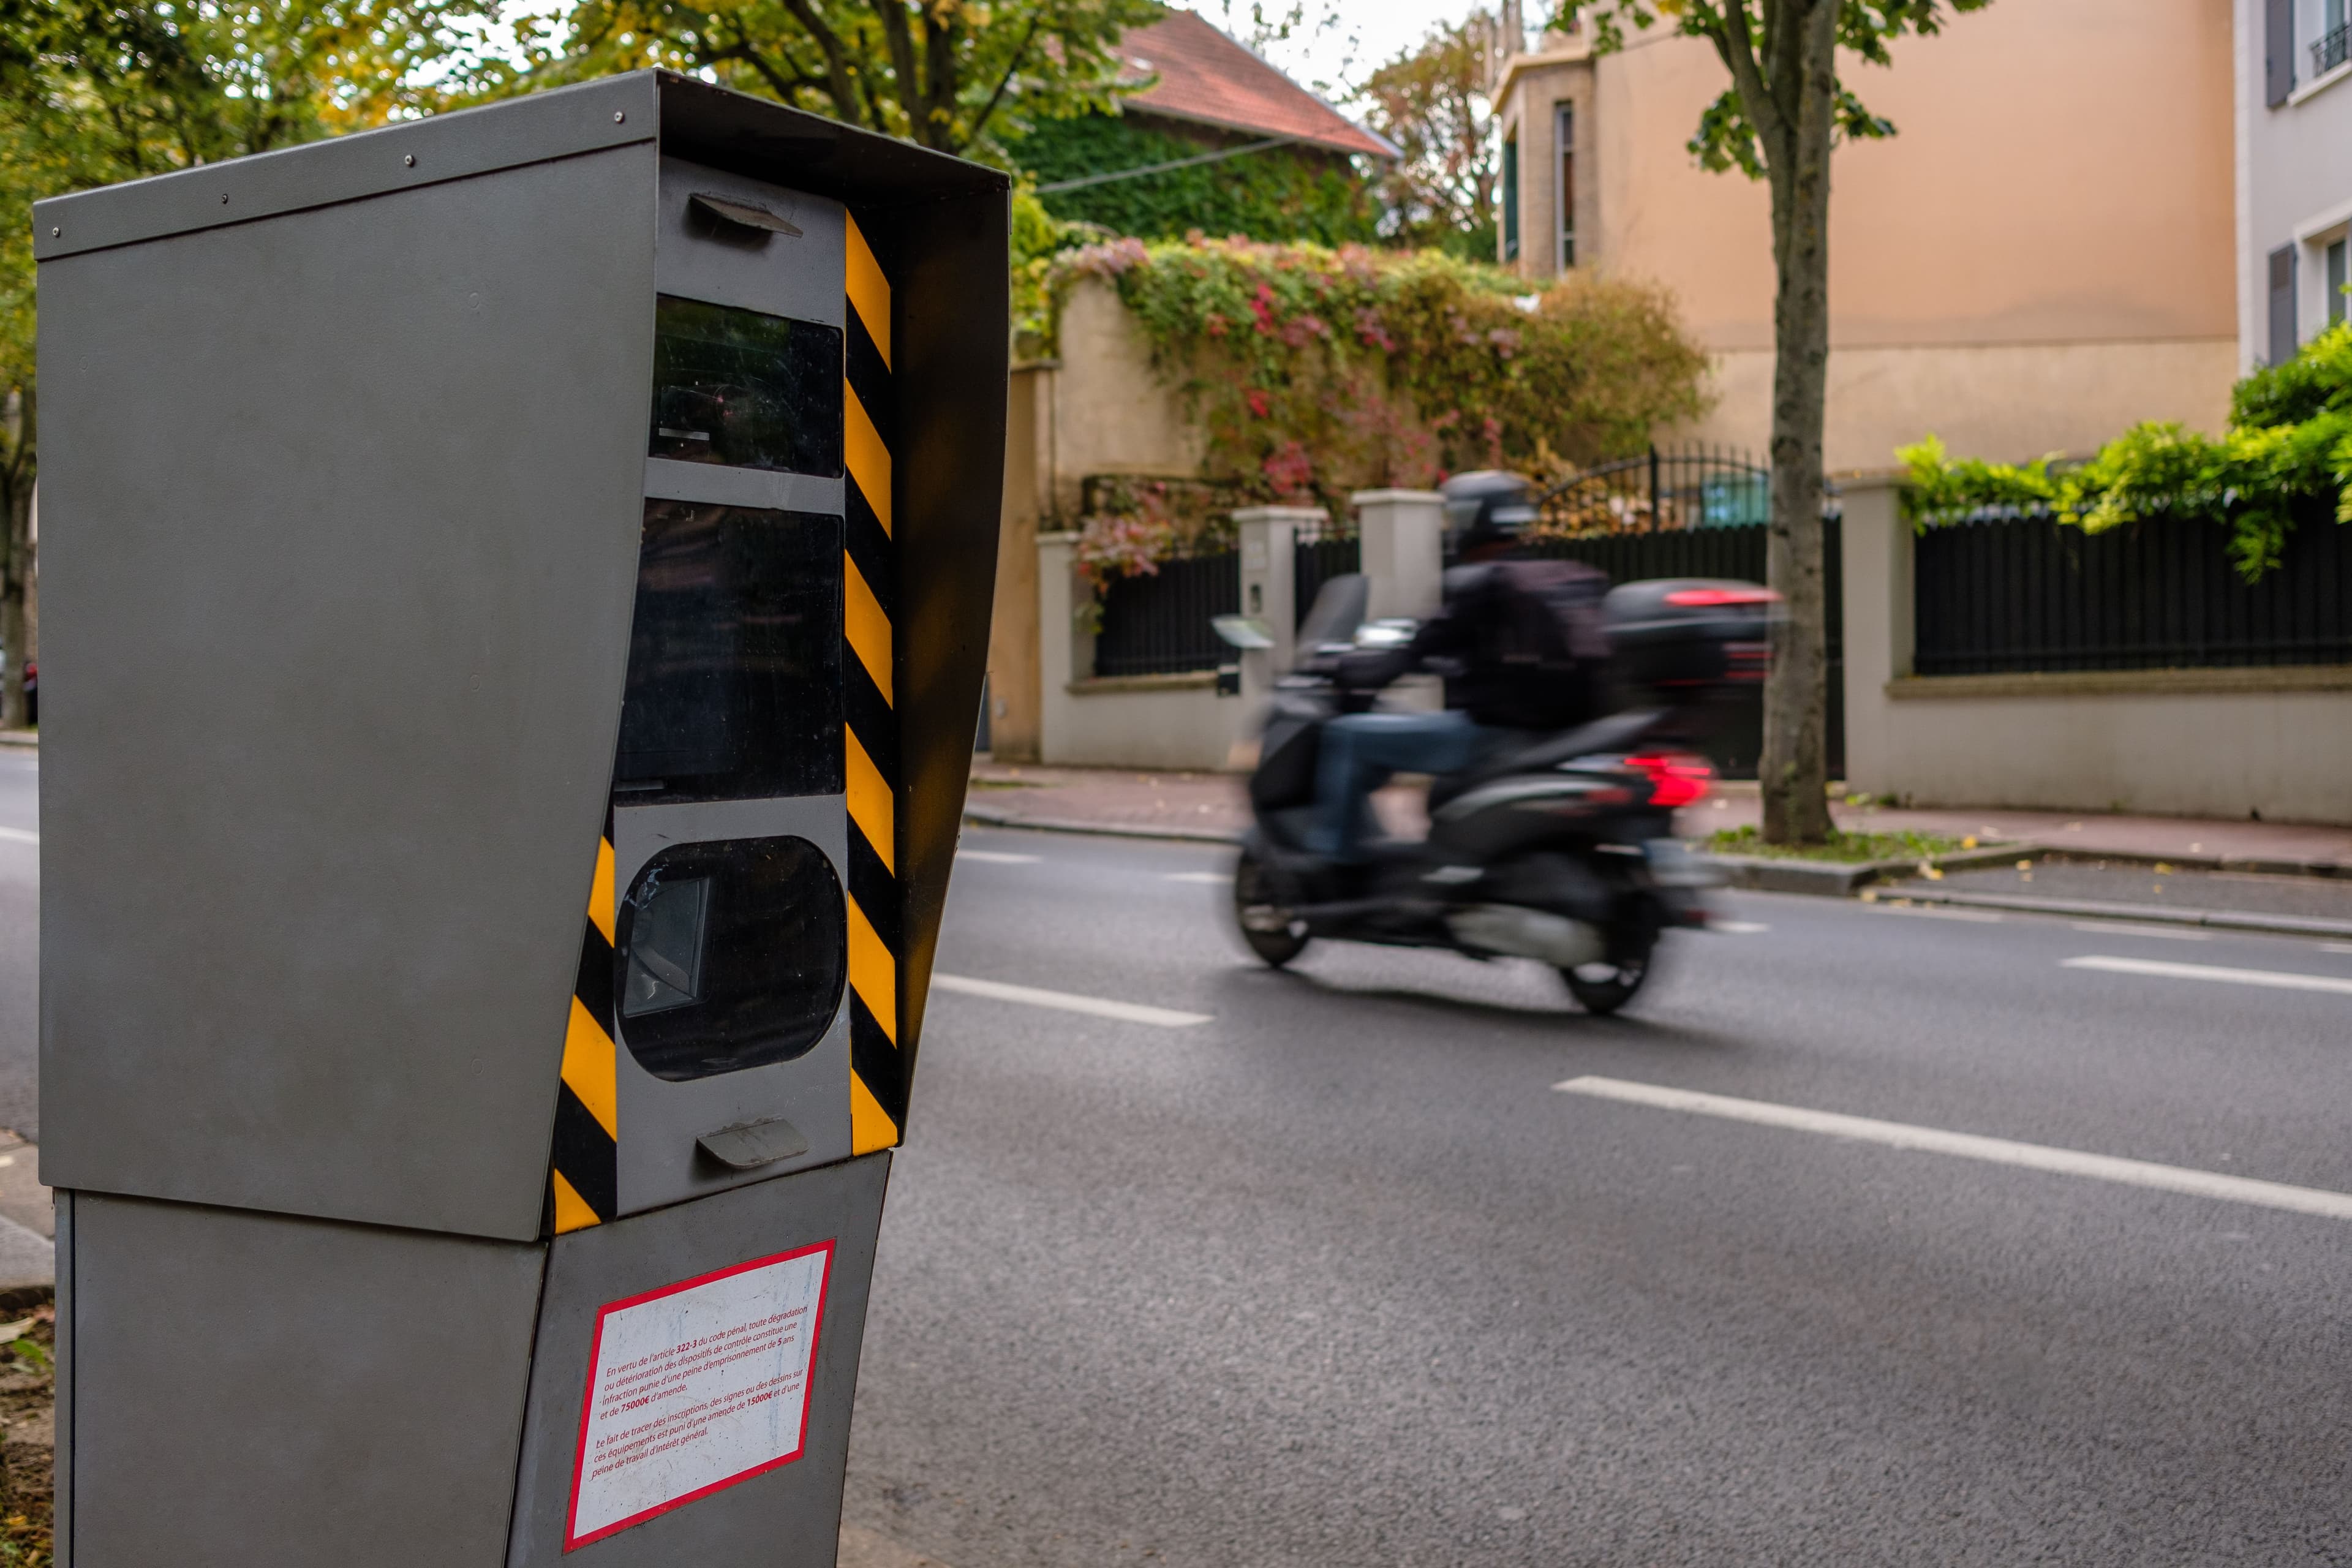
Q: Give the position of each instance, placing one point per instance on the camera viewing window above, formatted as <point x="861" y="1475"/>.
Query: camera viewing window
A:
<point x="731" y="955"/>
<point x="748" y="390"/>
<point x="734" y="682"/>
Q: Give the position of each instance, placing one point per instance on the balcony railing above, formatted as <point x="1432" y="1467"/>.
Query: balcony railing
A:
<point x="2331" y="50"/>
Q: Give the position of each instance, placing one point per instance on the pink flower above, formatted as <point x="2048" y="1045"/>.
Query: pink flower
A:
<point x="1259" y="405"/>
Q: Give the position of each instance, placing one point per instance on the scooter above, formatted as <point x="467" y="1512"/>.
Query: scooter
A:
<point x="1558" y="847"/>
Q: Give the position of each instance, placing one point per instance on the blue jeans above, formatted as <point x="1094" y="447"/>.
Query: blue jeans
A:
<point x="1358" y="753"/>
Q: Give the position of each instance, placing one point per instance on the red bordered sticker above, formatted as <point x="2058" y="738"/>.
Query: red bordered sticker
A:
<point x="694" y="1387"/>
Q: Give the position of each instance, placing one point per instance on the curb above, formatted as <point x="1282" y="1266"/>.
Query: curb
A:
<point x="2255" y="863"/>
<point x="2092" y="909"/>
<point x="30" y="739"/>
<point x="985" y="816"/>
<point x="1771" y="874"/>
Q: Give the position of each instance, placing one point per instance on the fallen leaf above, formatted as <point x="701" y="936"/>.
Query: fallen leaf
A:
<point x="16" y="1331"/>
<point x="2025" y="865"/>
<point x="1969" y="842"/>
<point x="2162" y="870"/>
<point x="1933" y="874"/>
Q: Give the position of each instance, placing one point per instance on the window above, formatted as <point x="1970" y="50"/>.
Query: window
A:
<point x="734" y="681"/>
<point x="2332" y="47"/>
<point x="746" y="389"/>
<point x="2335" y="279"/>
<point x="730" y="955"/>
<point x="1511" y="198"/>
<point x="1564" y="118"/>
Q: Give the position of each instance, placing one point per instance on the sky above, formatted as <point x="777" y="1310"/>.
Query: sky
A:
<point x="1340" y="41"/>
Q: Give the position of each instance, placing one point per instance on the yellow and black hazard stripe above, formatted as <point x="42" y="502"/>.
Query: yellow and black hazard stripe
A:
<point x="584" y="1181"/>
<point x="869" y="608"/>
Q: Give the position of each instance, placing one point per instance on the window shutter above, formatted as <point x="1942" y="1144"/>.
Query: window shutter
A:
<point x="2278" y="51"/>
<point x="2282" y="333"/>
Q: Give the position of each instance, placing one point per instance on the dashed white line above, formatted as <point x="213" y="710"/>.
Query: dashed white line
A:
<point x="996" y="857"/>
<point x="2274" y="979"/>
<point x="1739" y="928"/>
<point x="1219" y="878"/>
<point x="19" y="835"/>
<point x="2125" y="928"/>
<point x="1063" y="1001"/>
<point x="1969" y="1146"/>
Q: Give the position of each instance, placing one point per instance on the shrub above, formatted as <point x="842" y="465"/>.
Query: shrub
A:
<point x="1314" y="372"/>
<point x="2289" y="445"/>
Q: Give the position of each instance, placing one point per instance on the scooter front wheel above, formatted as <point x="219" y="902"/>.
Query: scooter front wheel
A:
<point x="1603" y="988"/>
<point x="1273" y="932"/>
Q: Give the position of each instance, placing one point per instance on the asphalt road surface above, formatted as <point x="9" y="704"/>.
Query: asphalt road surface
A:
<point x="1335" y="1273"/>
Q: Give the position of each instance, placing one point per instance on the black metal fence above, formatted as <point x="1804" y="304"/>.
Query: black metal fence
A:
<point x="1315" y="560"/>
<point x="1690" y="489"/>
<point x="1159" y="625"/>
<point x="1736" y="553"/>
<point x="2030" y="594"/>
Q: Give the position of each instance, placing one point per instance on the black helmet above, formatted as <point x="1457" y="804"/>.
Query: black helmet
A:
<point x="1488" y="507"/>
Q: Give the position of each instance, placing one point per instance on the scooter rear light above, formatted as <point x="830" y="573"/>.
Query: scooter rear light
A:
<point x="1673" y="781"/>
<point x="1697" y="598"/>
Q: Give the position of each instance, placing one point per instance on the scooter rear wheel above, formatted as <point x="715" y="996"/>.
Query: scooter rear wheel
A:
<point x="1275" y="935"/>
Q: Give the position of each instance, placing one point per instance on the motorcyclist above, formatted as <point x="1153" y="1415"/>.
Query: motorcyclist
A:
<point x="1521" y="643"/>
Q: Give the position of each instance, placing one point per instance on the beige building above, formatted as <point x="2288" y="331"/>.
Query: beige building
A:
<point x="2046" y="253"/>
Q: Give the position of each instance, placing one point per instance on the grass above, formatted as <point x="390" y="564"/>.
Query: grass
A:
<point x="1844" y="848"/>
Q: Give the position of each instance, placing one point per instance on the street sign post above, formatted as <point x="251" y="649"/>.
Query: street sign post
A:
<point x="515" y="586"/>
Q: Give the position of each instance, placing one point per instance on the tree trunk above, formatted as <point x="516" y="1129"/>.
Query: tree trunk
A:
<point x="1793" y="772"/>
<point x="16" y="612"/>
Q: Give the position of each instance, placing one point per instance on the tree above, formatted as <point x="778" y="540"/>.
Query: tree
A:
<point x="1430" y="100"/>
<point x="948" y="74"/>
<point x="94" y="92"/>
<point x="1783" y="112"/>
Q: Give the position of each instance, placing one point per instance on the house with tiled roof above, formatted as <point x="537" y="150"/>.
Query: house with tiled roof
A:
<point x="1212" y="138"/>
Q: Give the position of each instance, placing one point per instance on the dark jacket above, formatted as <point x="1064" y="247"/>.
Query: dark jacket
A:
<point x="1521" y="645"/>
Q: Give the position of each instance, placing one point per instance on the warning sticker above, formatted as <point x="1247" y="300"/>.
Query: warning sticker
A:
<point x="694" y="1387"/>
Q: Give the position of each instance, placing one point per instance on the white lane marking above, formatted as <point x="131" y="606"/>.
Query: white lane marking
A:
<point x="20" y="835"/>
<point x="1099" y="1006"/>
<point x="2125" y="928"/>
<point x="1739" y="928"/>
<point x="2276" y="980"/>
<point x="2336" y="947"/>
<point x="1982" y="917"/>
<point x="1969" y="1146"/>
<point x="1219" y="878"/>
<point x="996" y="857"/>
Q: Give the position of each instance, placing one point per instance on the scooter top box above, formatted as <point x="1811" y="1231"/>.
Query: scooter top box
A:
<point x="1689" y="640"/>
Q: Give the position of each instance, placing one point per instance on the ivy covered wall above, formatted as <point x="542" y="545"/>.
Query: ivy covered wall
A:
<point x="1283" y="192"/>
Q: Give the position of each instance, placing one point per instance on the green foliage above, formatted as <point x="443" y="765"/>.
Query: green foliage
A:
<point x="953" y="75"/>
<point x="1281" y="193"/>
<point x="1846" y="848"/>
<point x="1315" y="372"/>
<point x="2289" y="446"/>
<point x="1756" y="39"/>
<point x="1430" y="100"/>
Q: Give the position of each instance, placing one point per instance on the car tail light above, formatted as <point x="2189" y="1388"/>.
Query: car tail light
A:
<point x="1673" y="781"/>
<point x="1692" y="598"/>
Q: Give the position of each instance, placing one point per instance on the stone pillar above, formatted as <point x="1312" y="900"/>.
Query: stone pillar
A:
<point x="1269" y="543"/>
<point x="1876" y="554"/>
<point x="1402" y="534"/>
<point x="1060" y="648"/>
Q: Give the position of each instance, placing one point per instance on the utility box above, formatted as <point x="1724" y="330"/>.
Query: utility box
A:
<point x="515" y="591"/>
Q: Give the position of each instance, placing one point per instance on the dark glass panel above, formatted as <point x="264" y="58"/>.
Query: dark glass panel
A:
<point x="749" y="390"/>
<point x="732" y="956"/>
<point x="734" y="682"/>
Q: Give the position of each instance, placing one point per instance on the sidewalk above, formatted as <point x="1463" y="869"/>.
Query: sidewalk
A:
<point x="1211" y="806"/>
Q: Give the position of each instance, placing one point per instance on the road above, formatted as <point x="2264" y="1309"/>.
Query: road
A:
<point x="20" y="938"/>
<point x="1338" y="1276"/>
